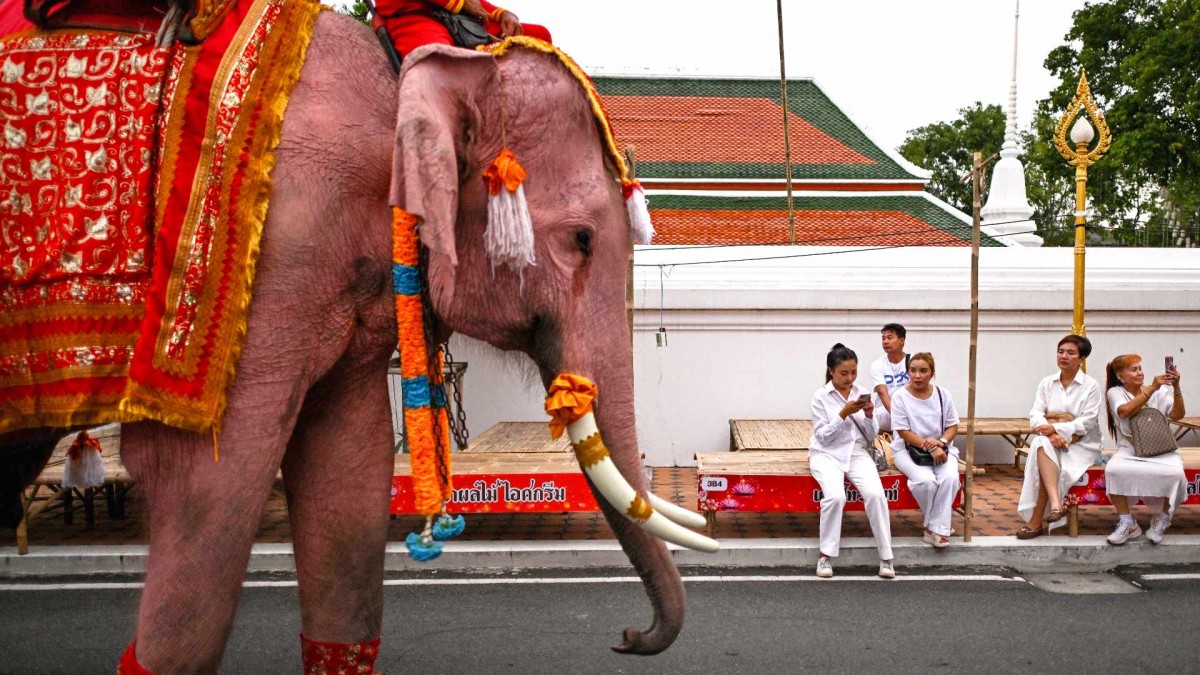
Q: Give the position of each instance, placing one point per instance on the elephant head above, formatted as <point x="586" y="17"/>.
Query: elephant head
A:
<point x="566" y="310"/>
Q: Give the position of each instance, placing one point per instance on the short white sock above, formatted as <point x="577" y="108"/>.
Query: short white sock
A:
<point x="1127" y="519"/>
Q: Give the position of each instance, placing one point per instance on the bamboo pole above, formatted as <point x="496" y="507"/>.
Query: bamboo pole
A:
<point x="787" y="137"/>
<point x="976" y="205"/>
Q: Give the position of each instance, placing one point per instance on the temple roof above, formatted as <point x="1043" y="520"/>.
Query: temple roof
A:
<point x="711" y="155"/>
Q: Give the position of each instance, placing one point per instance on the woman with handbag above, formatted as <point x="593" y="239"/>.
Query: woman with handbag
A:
<point x="925" y="423"/>
<point x="843" y="436"/>
<point x="1064" y="439"/>
<point x="1147" y="464"/>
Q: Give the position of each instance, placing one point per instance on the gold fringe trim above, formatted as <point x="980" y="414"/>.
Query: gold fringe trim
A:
<point x="610" y="141"/>
<point x="591" y="451"/>
<point x="295" y="31"/>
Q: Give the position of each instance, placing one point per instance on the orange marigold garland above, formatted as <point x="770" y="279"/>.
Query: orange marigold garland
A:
<point x="426" y="423"/>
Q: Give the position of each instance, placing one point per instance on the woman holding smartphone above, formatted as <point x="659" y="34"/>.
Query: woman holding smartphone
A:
<point x="925" y="423"/>
<point x="1129" y="477"/>
<point x="843" y="430"/>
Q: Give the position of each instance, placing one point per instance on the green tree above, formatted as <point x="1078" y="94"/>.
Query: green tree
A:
<point x="1142" y="59"/>
<point x="356" y="9"/>
<point x="945" y="148"/>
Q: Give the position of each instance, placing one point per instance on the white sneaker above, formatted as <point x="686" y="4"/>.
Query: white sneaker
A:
<point x="1124" y="533"/>
<point x="886" y="570"/>
<point x="824" y="568"/>
<point x="1158" y="528"/>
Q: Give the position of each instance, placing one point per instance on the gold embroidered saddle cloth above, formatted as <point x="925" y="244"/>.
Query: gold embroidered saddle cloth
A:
<point x="201" y="18"/>
<point x="134" y="182"/>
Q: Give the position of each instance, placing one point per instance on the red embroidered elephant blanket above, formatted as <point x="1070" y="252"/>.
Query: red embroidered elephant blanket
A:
<point x="134" y="182"/>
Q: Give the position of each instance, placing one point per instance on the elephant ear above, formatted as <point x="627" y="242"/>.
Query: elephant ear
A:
<point x="436" y="87"/>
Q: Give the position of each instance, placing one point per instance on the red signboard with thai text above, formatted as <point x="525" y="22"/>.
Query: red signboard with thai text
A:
<point x="506" y="493"/>
<point x="1091" y="490"/>
<point x="758" y="494"/>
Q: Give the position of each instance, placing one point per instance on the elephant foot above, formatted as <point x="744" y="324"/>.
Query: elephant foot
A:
<point x="337" y="657"/>
<point x="129" y="664"/>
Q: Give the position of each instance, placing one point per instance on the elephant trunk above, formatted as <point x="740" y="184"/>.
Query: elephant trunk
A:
<point x="617" y="480"/>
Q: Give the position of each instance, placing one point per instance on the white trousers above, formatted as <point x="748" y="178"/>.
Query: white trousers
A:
<point x="862" y="473"/>
<point x="934" y="488"/>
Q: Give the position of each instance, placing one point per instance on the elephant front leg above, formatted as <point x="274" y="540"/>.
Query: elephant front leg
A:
<point x="338" y="474"/>
<point x="204" y="514"/>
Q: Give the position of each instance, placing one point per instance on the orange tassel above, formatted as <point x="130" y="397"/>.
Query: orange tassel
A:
<point x="570" y="398"/>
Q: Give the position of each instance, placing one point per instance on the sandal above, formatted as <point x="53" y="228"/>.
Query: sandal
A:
<point x="1027" y="532"/>
<point x="1056" y="515"/>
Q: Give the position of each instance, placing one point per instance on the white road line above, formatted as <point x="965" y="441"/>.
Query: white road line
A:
<point x="1169" y="577"/>
<point x="289" y="583"/>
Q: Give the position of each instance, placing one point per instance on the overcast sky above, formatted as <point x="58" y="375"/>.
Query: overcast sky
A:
<point x="893" y="65"/>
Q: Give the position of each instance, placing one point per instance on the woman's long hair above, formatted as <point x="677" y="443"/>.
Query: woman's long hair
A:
<point x="1110" y="380"/>
<point x="838" y="354"/>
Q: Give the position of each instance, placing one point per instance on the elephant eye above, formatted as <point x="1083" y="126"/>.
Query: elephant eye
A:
<point x="583" y="239"/>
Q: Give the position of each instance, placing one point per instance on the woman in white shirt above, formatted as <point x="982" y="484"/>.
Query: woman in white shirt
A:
<point x="1060" y="452"/>
<point x="923" y="417"/>
<point x="1128" y="477"/>
<point x="843" y="429"/>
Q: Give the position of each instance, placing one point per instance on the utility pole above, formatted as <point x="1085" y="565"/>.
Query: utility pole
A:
<point x="787" y="136"/>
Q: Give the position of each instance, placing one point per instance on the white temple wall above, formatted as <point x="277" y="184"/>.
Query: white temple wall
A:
<point x="748" y="340"/>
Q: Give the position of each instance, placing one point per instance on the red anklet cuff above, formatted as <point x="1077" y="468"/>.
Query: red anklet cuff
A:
<point x="129" y="664"/>
<point x="337" y="657"/>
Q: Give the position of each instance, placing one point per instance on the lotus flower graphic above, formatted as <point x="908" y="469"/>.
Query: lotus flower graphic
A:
<point x="1098" y="483"/>
<point x="743" y="489"/>
<point x="1090" y="497"/>
<point x="729" y="504"/>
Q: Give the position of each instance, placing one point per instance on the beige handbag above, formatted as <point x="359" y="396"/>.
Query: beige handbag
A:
<point x="1151" y="433"/>
<point x="1059" y="418"/>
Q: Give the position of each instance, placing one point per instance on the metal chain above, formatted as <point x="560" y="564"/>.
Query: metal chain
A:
<point x="458" y="426"/>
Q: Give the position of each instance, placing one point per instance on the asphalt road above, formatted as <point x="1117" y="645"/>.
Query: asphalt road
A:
<point x="769" y="623"/>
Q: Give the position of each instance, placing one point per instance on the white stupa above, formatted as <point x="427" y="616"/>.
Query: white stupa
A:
<point x="1007" y="212"/>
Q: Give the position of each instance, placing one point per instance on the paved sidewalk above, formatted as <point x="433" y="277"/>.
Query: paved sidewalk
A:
<point x="995" y="516"/>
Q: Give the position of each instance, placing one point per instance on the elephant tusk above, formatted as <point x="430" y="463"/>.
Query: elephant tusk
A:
<point x="594" y="459"/>
<point x="677" y="514"/>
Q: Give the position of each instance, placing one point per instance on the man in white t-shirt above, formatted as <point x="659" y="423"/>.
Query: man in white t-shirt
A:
<point x="889" y="373"/>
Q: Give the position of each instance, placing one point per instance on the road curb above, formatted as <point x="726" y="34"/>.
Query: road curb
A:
<point x="1045" y="554"/>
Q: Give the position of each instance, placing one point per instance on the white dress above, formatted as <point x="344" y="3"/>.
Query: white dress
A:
<point x="1081" y="398"/>
<point x="1136" y="477"/>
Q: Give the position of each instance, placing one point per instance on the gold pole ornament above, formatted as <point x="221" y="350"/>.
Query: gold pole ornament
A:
<point x="1081" y="133"/>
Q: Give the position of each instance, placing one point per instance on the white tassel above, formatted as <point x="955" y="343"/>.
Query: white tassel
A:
<point x="641" y="229"/>
<point x="509" y="236"/>
<point x="85" y="472"/>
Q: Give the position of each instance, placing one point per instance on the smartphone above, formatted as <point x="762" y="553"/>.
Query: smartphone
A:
<point x="1170" y="361"/>
<point x="867" y="397"/>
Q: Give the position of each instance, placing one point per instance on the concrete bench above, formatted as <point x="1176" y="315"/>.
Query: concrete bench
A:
<point x="1090" y="489"/>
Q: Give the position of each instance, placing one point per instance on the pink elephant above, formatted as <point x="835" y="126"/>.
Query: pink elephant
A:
<point x="310" y="394"/>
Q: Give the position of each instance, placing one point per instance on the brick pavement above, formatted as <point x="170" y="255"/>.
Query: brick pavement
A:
<point x="995" y="514"/>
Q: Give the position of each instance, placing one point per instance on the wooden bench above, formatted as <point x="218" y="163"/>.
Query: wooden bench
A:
<point x="1015" y="430"/>
<point x="47" y="490"/>
<point x="780" y="481"/>
<point x="1185" y="426"/>
<point x="1089" y="490"/>
<point x="753" y="435"/>
<point x="513" y="467"/>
